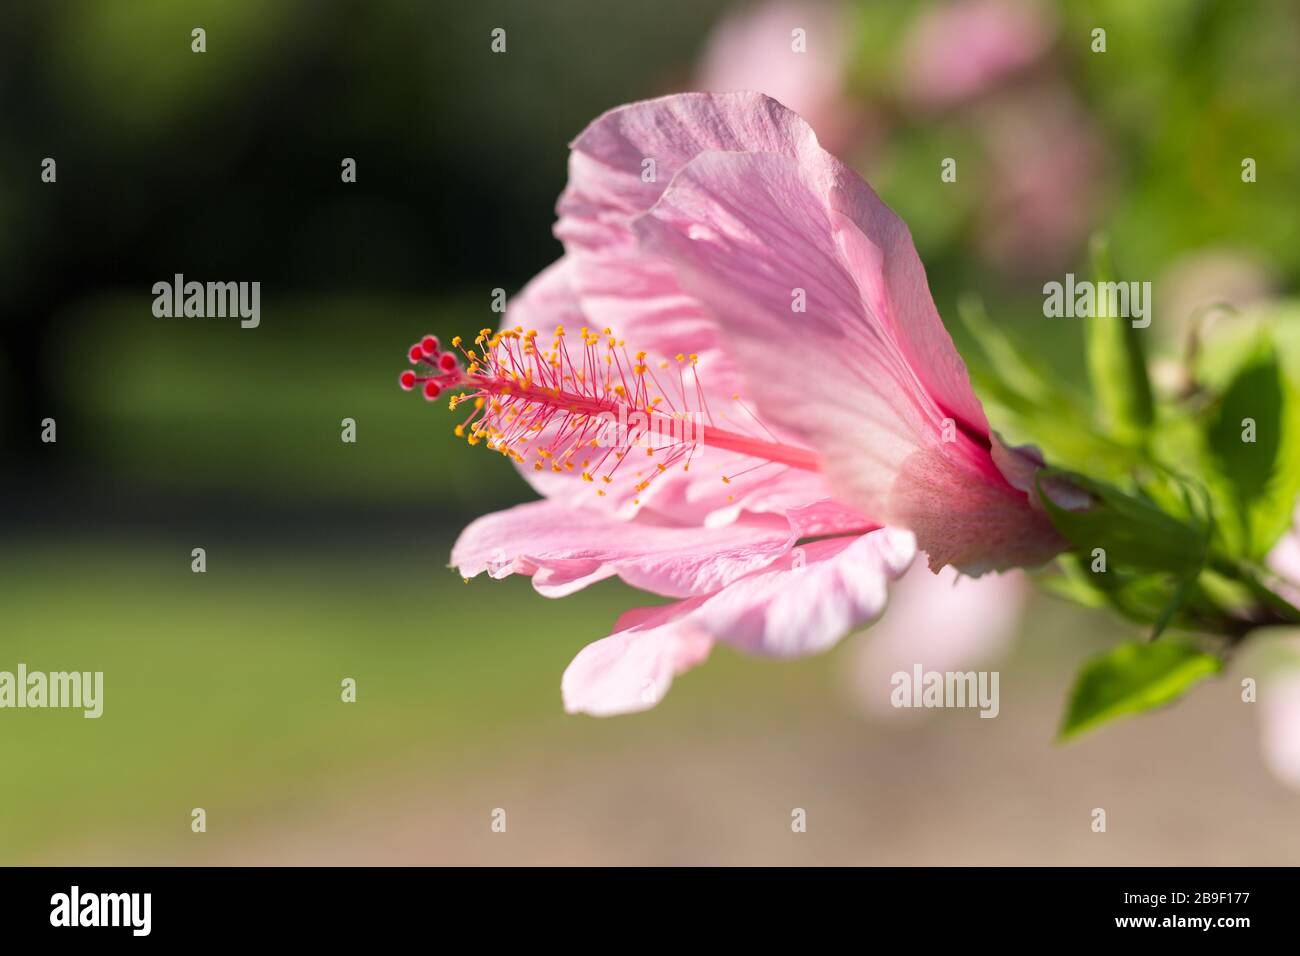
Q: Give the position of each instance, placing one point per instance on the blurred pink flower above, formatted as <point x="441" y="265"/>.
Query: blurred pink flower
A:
<point x="1279" y="705"/>
<point x="1279" y="686"/>
<point x="748" y="260"/>
<point x="753" y="49"/>
<point x="1284" y="561"/>
<point x="1279" y="717"/>
<point x="1046" y="182"/>
<point x="959" y="50"/>
<point x="943" y="622"/>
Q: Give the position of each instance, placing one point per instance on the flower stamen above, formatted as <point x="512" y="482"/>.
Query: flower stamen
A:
<point x="583" y="416"/>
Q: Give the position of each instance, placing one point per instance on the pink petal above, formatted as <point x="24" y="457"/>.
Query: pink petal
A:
<point x="607" y="186"/>
<point x="564" y="549"/>
<point x="631" y="670"/>
<point x="611" y="276"/>
<point x="868" y="375"/>
<point x="606" y="192"/>
<point x="613" y="281"/>
<point x="698" y="496"/>
<point x="807" y="602"/>
<point x="801" y="605"/>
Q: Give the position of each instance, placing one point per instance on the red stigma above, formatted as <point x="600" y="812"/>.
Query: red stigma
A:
<point x="438" y="372"/>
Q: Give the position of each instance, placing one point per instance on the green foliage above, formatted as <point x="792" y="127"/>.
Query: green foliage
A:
<point x="1132" y="678"/>
<point x="1251" y="449"/>
<point x="1186" y="491"/>
<point x="1116" y="361"/>
<point x="1176" y="538"/>
<point x="1129" y="553"/>
<point x="1133" y="531"/>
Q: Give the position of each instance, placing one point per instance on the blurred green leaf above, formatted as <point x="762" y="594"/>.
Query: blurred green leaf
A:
<point x="1252" y="447"/>
<point x="1142" y="597"/>
<point x="1131" y="679"/>
<point x="1010" y="368"/>
<point x="1116" y="361"/>
<point x="1207" y="602"/>
<point x="1031" y="405"/>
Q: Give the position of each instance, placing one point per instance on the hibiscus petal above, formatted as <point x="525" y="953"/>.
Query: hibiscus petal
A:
<point x="618" y="167"/>
<point x="801" y="605"/>
<point x="631" y="670"/>
<point x="612" y="282"/>
<point x="608" y="182"/>
<point x="809" y="601"/>
<point x="700" y="495"/>
<point x="564" y="549"/>
<point x="607" y="190"/>
<point x="868" y="375"/>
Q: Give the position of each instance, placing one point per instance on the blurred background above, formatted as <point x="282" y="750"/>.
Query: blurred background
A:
<point x="327" y="560"/>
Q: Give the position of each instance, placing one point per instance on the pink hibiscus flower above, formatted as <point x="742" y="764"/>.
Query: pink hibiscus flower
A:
<point x="958" y="50"/>
<point x="778" y="423"/>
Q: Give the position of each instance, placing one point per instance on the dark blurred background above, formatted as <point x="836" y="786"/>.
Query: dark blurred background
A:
<point x="327" y="559"/>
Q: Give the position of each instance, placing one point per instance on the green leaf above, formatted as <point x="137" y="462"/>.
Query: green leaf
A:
<point x="1256" y="582"/>
<point x="1116" y="361"/>
<point x="1257" y="479"/>
<point x="1133" y="678"/>
<point x="1134" y="533"/>
<point x="1154" y="570"/>
<point x="1154" y="599"/>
